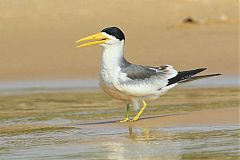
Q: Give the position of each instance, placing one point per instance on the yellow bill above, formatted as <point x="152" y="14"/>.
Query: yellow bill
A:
<point x="99" y="39"/>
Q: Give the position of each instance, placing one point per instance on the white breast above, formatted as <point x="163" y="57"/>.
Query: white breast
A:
<point x="110" y="70"/>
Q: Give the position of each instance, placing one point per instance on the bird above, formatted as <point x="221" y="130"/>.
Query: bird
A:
<point x="135" y="84"/>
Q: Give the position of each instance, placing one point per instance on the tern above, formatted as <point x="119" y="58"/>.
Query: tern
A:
<point x="130" y="82"/>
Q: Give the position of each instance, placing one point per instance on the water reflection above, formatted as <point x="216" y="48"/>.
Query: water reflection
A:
<point x="108" y="142"/>
<point x="187" y="142"/>
<point x="144" y="134"/>
<point x="144" y="143"/>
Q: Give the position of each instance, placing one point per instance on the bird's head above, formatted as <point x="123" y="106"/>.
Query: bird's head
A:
<point x="107" y="37"/>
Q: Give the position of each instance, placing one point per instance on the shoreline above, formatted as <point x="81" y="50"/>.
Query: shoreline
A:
<point x="92" y="84"/>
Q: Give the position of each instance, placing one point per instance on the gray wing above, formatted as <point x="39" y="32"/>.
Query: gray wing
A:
<point x="140" y="80"/>
<point x="138" y="72"/>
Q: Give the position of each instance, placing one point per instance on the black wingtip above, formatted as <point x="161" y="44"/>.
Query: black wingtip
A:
<point x="198" y="77"/>
<point x="201" y="69"/>
<point x="216" y="74"/>
<point x="208" y="75"/>
<point x="185" y="76"/>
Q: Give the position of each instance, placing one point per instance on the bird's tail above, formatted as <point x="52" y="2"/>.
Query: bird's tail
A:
<point x="198" y="77"/>
<point x="187" y="76"/>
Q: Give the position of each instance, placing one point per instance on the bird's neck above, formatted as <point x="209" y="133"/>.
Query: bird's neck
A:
<point x="112" y="56"/>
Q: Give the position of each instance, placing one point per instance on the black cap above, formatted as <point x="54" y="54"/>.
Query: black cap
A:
<point x="114" y="31"/>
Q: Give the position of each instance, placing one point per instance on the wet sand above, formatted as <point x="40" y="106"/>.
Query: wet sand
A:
<point x="224" y="116"/>
<point x="210" y="117"/>
<point x="190" y="107"/>
<point x="183" y="124"/>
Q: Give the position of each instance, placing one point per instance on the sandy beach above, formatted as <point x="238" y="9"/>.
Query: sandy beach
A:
<point x="38" y="36"/>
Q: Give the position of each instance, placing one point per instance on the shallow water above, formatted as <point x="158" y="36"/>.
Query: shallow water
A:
<point x="125" y="143"/>
<point x="81" y="125"/>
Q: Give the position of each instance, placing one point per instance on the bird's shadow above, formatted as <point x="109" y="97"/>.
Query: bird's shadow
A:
<point x="114" y="121"/>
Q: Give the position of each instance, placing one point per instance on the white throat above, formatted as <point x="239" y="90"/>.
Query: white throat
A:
<point x="111" y="60"/>
<point x="112" y="55"/>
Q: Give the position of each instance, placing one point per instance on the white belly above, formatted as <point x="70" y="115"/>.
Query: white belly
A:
<point x="107" y="85"/>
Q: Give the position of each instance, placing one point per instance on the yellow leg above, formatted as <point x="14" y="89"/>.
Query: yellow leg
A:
<point x="140" y="112"/>
<point x="127" y="114"/>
